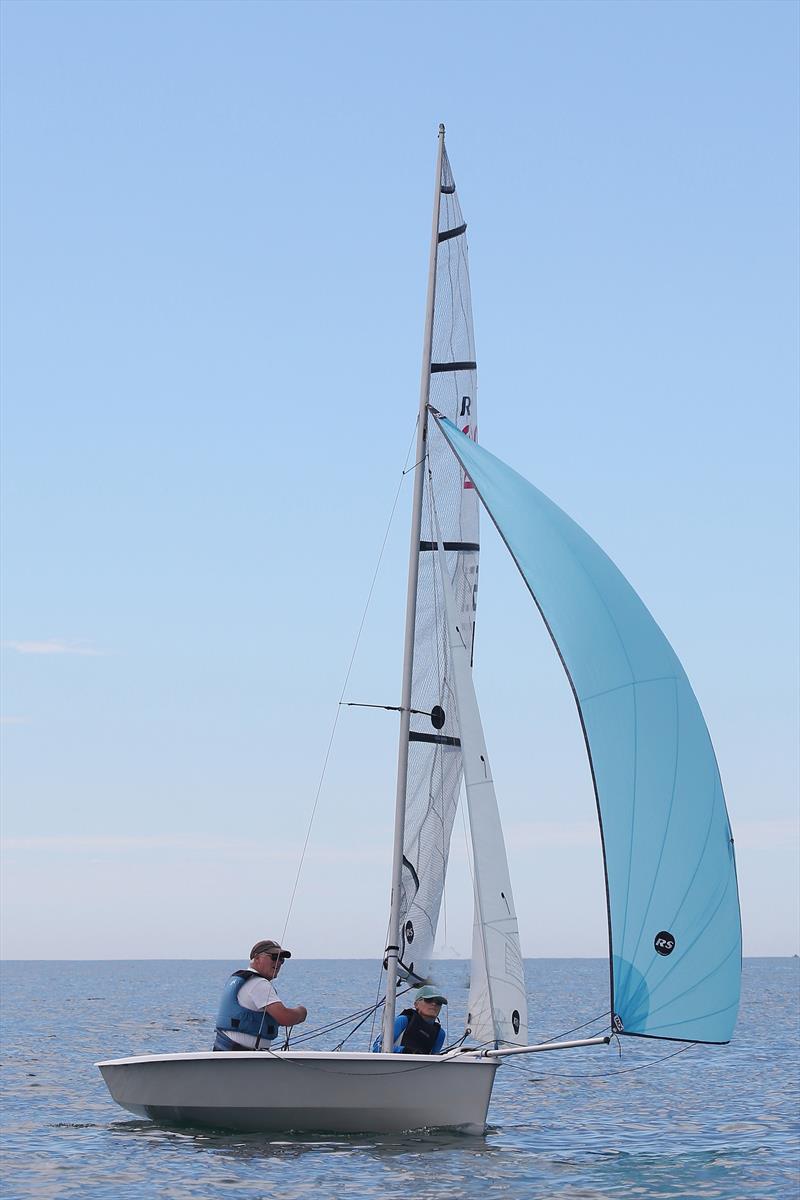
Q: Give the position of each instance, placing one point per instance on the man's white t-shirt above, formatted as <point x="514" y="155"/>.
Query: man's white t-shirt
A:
<point x="255" y="994"/>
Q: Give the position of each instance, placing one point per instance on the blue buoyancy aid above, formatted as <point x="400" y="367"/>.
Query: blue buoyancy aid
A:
<point x="233" y="1018"/>
<point x="419" y="1036"/>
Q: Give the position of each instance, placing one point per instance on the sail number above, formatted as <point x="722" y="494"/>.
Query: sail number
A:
<point x="470" y="430"/>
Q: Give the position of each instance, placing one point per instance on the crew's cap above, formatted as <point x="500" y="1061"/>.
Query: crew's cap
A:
<point x="430" y="993"/>
<point x="267" y="946"/>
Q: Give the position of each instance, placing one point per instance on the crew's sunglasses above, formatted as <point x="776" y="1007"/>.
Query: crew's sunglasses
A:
<point x="276" y="957"/>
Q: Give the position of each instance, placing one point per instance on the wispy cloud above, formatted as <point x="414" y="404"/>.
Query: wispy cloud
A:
<point x="52" y="646"/>
<point x="227" y="848"/>
<point x="775" y="834"/>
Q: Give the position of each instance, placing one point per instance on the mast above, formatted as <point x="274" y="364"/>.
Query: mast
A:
<point x="393" y="946"/>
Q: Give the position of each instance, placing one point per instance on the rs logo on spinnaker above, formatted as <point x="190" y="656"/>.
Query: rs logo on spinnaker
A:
<point x="664" y="943"/>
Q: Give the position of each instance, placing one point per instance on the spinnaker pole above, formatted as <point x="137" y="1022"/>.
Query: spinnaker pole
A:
<point x="393" y="947"/>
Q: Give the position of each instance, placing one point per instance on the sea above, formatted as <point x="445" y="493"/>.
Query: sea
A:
<point x="640" y="1118"/>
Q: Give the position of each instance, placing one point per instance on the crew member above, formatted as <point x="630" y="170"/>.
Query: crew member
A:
<point x="417" y="1030"/>
<point x="250" y="1011"/>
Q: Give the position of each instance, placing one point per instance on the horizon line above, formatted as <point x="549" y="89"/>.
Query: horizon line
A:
<point x="356" y="958"/>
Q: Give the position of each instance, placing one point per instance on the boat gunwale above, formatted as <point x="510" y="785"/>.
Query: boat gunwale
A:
<point x="297" y="1056"/>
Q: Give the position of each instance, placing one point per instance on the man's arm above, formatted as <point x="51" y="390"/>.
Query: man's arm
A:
<point x="287" y="1016"/>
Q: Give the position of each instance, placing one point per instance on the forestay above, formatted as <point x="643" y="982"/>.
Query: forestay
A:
<point x="674" y="926"/>
<point x="434" y="754"/>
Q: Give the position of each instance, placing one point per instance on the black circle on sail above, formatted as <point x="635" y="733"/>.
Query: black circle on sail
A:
<point x="664" y="943"/>
<point x="437" y="716"/>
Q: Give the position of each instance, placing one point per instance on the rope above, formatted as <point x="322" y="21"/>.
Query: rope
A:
<point x="353" y="1030"/>
<point x="377" y="991"/>
<point x="558" y="1037"/>
<point x="322" y="1029"/>
<point x="653" y="1062"/>
<point x="363" y="1013"/>
<point x="341" y="695"/>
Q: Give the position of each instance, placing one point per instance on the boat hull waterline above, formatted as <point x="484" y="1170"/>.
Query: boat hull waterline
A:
<point x="311" y="1091"/>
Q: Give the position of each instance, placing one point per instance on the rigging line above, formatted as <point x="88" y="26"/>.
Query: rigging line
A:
<point x="364" y="1013"/>
<point x="416" y="464"/>
<point x="653" y="1062"/>
<point x="377" y="992"/>
<point x="559" y="1036"/>
<point x="344" y="687"/>
<point x="321" y="1029"/>
<point x="352" y="1031"/>
<point x="417" y="712"/>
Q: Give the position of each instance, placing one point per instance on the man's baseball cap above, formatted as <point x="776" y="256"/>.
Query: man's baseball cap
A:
<point x="267" y="946"/>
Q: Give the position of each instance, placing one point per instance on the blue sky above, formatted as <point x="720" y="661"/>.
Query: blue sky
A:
<point x="215" y="237"/>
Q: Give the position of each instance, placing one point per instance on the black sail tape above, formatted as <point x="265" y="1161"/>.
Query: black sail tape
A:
<point x="446" y="234"/>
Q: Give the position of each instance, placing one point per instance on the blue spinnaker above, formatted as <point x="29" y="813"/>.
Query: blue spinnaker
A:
<point x="675" y="930"/>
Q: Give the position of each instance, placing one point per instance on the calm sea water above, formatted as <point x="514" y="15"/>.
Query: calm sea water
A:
<point x="708" y="1122"/>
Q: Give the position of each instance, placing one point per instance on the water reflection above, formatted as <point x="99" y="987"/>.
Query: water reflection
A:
<point x="242" y="1146"/>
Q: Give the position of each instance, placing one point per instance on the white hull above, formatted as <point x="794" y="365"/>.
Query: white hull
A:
<point x="310" y="1091"/>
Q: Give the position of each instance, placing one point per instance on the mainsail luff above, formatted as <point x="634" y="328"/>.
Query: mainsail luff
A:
<point x="395" y="911"/>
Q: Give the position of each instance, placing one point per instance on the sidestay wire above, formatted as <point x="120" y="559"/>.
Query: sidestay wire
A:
<point x="344" y="686"/>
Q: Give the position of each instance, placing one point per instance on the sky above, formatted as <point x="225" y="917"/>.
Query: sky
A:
<point x="215" y="225"/>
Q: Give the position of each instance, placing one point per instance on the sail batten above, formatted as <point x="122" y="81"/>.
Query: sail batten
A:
<point x="674" y="925"/>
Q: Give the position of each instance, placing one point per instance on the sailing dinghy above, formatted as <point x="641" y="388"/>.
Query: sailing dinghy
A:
<point x="673" y="910"/>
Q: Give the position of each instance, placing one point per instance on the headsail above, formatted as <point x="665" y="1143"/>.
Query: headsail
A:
<point x="434" y="756"/>
<point x="497" y="1010"/>
<point x="675" y="930"/>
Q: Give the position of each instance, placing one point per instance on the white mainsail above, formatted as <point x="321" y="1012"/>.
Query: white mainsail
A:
<point x="497" y="1010"/>
<point x="434" y="768"/>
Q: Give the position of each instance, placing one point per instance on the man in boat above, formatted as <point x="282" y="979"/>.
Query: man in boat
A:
<point x="250" y="1011"/>
<point x="417" y="1030"/>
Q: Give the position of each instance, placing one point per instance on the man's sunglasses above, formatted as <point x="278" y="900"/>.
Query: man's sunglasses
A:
<point x="277" y="957"/>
